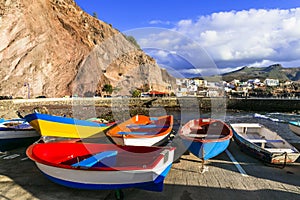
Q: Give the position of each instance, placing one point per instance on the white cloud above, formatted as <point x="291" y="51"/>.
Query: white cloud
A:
<point x="255" y="37"/>
<point x="207" y="71"/>
<point x="155" y="22"/>
<point x="162" y="54"/>
<point x="252" y="35"/>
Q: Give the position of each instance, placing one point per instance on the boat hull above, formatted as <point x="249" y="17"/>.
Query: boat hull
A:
<point x="95" y="180"/>
<point x="295" y="127"/>
<point x="271" y="156"/>
<point x="206" y="138"/>
<point x="56" y="126"/>
<point x="11" y="138"/>
<point x="207" y="150"/>
<point x="120" y="173"/>
<point x="142" y="131"/>
<point x="12" y="143"/>
<point x="156" y="141"/>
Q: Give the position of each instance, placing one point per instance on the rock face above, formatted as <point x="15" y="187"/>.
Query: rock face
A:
<point x="53" y="48"/>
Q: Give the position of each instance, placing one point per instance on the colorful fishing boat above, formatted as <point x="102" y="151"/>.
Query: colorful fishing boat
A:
<point x="295" y="127"/>
<point x="264" y="144"/>
<point x="103" y="166"/>
<point x="16" y="133"/>
<point x="141" y="130"/>
<point x="57" y="126"/>
<point x="206" y="138"/>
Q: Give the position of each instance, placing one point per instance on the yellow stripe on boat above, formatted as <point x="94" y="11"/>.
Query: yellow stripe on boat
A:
<point x="57" y="126"/>
<point x="56" y="129"/>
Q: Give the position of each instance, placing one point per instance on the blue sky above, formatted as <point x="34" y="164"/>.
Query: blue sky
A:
<point x="228" y="33"/>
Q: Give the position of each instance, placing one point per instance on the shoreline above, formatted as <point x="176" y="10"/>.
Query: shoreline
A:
<point x="102" y="106"/>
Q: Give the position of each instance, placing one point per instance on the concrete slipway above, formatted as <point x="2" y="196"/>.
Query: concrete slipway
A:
<point x="246" y="178"/>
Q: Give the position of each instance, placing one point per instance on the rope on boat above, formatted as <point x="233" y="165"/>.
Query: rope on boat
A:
<point x="19" y="114"/>
<point x="285" y="158"/>
<point x="284" y="163"/>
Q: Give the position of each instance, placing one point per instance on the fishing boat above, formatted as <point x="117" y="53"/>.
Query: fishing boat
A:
<point x="205" y="138"/>
<point x="64" y="127"/>
<point x="16" y="133"/>
<point x="263" y="144"/>
<point x="295" y="127"/>
<point x="141" y="130"/>
<point x="103" y="166"/>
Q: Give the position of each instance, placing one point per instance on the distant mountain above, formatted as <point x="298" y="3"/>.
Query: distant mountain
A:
<point x="275" y="71"/>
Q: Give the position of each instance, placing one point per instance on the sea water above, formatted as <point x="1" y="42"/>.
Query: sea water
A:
<point x="277" y="122"/>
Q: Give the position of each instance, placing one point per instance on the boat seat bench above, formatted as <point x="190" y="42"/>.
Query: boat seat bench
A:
<point x="94" y="159"/>
<point x="205" y="136"/>
<point x="146" y="126"/>
<point x="264" y="141"/>
<point x="280" y="150"/>
<point x="136" y="133"/>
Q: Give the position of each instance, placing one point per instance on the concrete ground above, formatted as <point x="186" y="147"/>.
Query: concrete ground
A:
<point x="21" y="180"/>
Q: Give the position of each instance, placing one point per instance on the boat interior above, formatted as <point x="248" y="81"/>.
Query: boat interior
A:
<point x="112" y="159"/>
<point x="153" y="127"/>
<point x="264" y="138"/>
<point x="211" y="130"/>
<point x="107" y="158"/>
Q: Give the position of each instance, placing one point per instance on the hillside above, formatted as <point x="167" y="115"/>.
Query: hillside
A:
<point x="274" y="71"/>
<point x="57" y="49"/>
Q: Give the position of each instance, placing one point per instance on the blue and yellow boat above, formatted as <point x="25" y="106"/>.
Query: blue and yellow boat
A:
<point x="57" y="126"/>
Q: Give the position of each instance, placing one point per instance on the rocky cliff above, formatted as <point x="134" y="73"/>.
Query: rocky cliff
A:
<point x="53" y="48"/>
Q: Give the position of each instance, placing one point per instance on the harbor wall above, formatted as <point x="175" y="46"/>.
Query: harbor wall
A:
<point x="9" y="107"/>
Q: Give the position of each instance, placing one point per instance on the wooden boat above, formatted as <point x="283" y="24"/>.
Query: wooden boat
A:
<point x="16" y="133"/>
<point x="264" y="144"/>
<point x="295" y="127"/>
<point x="141" y="130"/>
<point x="56" y="126"/>
<point x="103" y="166"/>
<point x="205" y="138"/>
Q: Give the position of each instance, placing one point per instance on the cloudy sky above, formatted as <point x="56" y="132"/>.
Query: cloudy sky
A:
<point x="193" y="38"/>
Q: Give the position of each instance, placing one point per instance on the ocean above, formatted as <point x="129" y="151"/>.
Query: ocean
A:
<point x="277" y="122"/>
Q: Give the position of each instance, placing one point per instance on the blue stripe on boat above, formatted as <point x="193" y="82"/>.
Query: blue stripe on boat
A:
<point x="153" y="118"/>
<point x="146" y="126"/>
<point x="64" y="120"/>
<point x="207" y="150"/>
<point x="137" y="133"/>
<point x="295" y="123"/>
<point x="156" y="185"/>
<point x="94" y="159"/>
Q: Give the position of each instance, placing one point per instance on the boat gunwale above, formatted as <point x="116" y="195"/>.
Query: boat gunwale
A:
<point x="167" y="131"/>
<point x="151" y="166"/>
<point x="63" y="120"/>
<point x="205" y="140"/>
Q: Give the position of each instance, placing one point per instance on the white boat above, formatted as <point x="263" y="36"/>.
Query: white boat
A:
<point x="264" y="144"/>
<point x="295" y="127"/>
<point x="15" y="133"/>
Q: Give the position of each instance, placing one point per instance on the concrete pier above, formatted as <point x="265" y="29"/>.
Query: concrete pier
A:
<point x="21" y="180"/>
<point x="231" y="175"/>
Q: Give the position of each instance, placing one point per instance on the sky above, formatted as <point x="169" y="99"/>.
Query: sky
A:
<point x="199" y="37"/>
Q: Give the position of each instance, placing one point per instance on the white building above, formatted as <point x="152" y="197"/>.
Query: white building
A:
<point x="271" y="82"/>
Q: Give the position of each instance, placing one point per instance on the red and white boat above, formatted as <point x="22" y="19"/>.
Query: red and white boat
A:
<point x="103" y="166"/>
